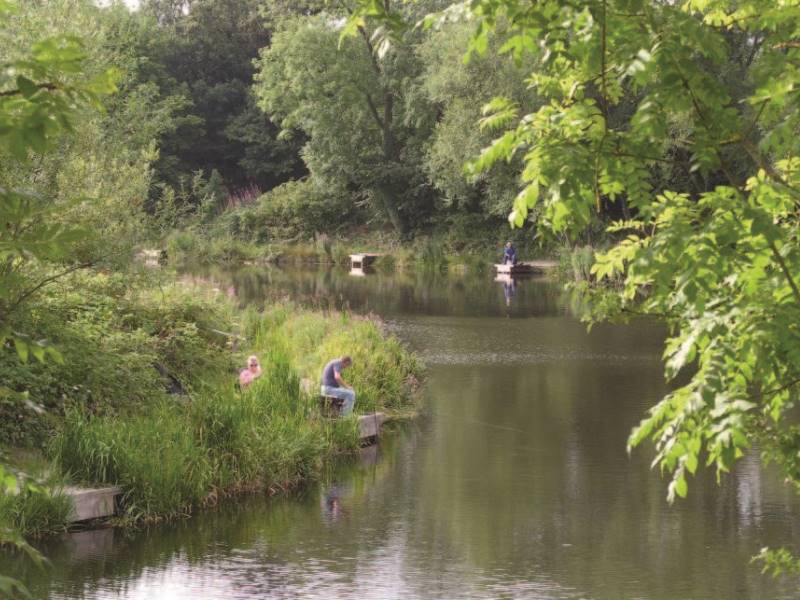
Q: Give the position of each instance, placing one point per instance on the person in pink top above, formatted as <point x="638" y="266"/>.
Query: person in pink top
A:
<point x="253" y="371"/>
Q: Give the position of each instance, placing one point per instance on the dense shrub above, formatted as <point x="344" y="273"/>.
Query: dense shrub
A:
<point x="122" y="352"/>
<point x="294" y="210"/>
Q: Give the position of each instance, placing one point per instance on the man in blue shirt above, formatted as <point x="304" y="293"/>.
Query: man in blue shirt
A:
<point x="510" y="254"/>
<point x="334" y="385"/>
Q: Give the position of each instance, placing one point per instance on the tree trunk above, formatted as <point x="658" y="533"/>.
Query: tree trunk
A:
<point x="389" y="147"/>
<point x="384" y="189"/>
<point x="385" y="196"/>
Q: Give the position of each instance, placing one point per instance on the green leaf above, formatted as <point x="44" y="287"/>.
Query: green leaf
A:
<point x="26" y="86"/>
<point x="22" y="349"/>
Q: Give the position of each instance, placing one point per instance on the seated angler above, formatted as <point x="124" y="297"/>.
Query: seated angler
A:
<point x="509" y="254"/>
<point x="333" y="385"/>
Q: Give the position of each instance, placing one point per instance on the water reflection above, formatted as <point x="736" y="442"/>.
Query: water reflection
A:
<point x="509" y="287"/>
<point x="515" y="484"/>
<point x="332" y="502"/>
<point x="388" y="294"/>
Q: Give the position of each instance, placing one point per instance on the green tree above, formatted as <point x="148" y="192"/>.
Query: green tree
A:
<point x="365" y="120"/>
<point x="458" y="91"/>
<point x="42" y="93"/>
<point x="43" y="89"/>
<point x="202" y="52"/>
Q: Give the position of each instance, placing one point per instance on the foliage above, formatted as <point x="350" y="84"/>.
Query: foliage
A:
<point x="201" y="60"/>
<point x="364" y="124"/>
<point x="384" y="134"/>
<point x="122" y="350"/>
<point x="37" y="106"/>
<point x="458" y="91"/>
<point x="778" y="561"/>
<point x="14" y="513"/>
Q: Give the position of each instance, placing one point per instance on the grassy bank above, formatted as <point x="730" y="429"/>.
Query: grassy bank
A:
<point x="384" y="373"/>
<point x="145" y="397"/>
<point x="435" y="252"/>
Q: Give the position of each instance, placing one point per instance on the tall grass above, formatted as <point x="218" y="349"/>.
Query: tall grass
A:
<point x="155" y="457"/>
<point x="195" y="247"/>
<point x="35" y="511"/>
<point x="384" y="373"/>
<point x="582" y="260"/>
<point x="173" y="454"/>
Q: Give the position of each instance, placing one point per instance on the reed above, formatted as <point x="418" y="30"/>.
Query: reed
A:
<point x="384" y="373"/>
<point x="155" y="458"/>
<point x="35" y="511"/>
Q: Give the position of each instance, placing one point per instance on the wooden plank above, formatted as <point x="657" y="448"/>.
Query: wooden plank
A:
<point x="92" y="503"/>
<point x="544" y="265"/>
<point x="528" y="267"/>
<point x="369" y="426"/>
<point x="363" y="259"/>
<point x="517" y="269"/>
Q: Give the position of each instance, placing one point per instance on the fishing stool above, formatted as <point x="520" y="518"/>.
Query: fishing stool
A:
<point x="330" y="406"/>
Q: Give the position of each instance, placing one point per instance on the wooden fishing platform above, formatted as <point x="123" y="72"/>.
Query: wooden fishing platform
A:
<point x="369" y="427"/>
<point x="92" y="503"/>
<point x="531" y="267"/>
<point x="360" y="261"/>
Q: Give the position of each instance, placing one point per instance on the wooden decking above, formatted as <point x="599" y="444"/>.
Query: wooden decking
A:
<point x="92" y="503"/>
<point x="359" y="261"/>
<point x="369" y="427"/>
<point x="530" y="267"/>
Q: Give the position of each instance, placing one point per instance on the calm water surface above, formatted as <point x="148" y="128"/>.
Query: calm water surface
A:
<point x="515" y="484"/>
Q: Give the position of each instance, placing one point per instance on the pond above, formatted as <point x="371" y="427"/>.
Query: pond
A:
<point x="514" y="484"/>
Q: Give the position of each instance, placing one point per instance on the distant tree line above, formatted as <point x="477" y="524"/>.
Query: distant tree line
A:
<point x="263" y="92"/>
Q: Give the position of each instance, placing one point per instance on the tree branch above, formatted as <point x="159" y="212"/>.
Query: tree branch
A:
<point x="42" y="86"/>
<point x="47" y="280"/>
<point x="371" y="49"/>
<point x="374" y="110"/>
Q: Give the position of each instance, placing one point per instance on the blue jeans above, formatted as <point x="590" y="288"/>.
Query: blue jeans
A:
<point x="349" y="397"/>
